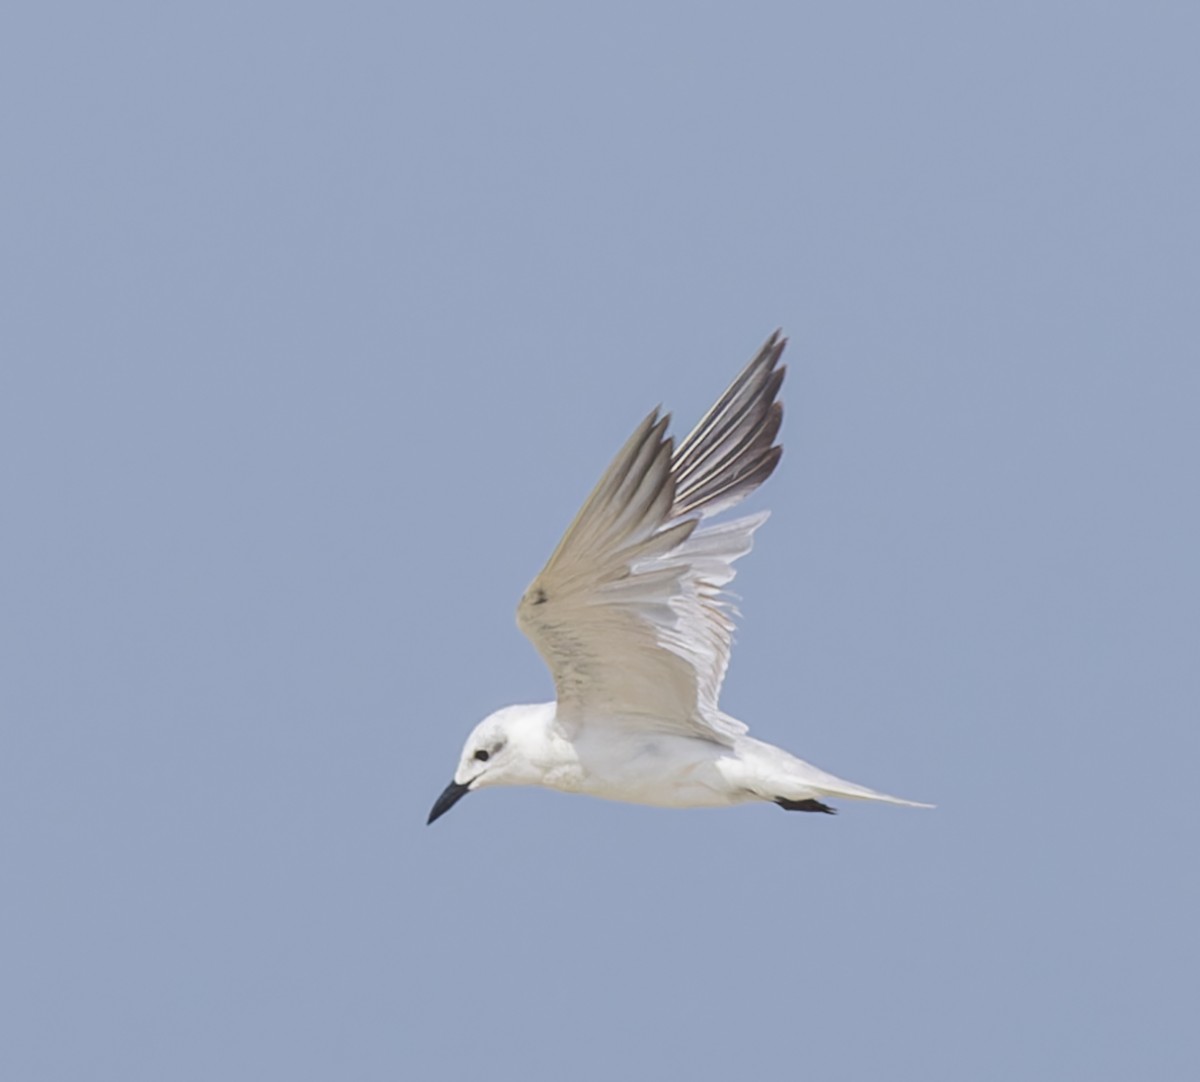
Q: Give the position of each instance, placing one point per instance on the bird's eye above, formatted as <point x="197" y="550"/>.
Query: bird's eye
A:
<point x="482" y="755"/>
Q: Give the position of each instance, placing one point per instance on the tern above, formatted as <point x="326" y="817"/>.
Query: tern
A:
<point x="632" y="617"/>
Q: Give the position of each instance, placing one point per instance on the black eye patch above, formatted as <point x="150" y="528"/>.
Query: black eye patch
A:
<point x="482" y="755"/>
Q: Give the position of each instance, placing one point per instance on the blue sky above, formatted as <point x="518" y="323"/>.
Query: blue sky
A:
<point x="319" y="321"/>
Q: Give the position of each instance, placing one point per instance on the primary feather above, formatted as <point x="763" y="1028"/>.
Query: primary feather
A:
<point x="630" y="612"/>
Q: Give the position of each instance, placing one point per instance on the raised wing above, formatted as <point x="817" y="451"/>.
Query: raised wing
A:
<point x="630" y="612"/>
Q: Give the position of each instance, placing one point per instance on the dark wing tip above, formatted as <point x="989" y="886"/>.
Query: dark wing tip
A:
<point x="731" y="451"/>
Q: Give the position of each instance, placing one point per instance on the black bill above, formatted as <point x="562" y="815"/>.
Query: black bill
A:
<point x="451" y="795"/>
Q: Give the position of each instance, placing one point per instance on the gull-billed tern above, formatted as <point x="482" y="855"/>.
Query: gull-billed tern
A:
<point x="631" y="616"/>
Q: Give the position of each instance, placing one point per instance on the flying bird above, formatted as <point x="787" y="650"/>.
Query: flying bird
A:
<point x="631" y="615"/>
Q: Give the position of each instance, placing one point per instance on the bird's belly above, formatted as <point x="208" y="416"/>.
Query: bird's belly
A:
<point x="668" y="772"/>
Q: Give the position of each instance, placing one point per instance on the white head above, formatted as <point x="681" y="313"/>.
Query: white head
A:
<point x="503" y="749"/>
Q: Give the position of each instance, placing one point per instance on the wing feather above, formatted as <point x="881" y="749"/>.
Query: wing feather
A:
<point x="630" y="612"/>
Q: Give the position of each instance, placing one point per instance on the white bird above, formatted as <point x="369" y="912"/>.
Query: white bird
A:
<point x="631" y="616"/>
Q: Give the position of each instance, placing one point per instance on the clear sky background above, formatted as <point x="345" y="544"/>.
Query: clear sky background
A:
<point x="319" y="321"/>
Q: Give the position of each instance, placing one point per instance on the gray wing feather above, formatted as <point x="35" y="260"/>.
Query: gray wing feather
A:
<point x="630" y="612"/>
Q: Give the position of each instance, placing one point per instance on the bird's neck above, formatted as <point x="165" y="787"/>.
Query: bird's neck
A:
<point x="547" y="750"/>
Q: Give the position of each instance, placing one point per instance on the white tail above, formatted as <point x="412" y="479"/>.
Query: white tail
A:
<point x="815" y="780"/>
